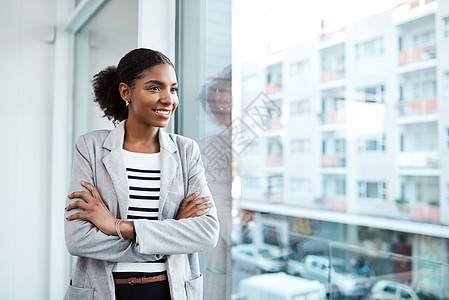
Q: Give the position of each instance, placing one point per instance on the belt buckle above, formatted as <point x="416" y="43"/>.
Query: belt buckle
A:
<point x="130" y="281"/>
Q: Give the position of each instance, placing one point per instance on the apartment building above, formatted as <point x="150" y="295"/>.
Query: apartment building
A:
<point x="360" y="136"/>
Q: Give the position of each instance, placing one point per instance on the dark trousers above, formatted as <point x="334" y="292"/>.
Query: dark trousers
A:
<point x="150" y="291"/>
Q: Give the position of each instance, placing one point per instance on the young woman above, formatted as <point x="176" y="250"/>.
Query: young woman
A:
<point x="139" y="208"/>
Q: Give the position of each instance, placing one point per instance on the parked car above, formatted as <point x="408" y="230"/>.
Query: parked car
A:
<point x="267" y="258"/>
<point x="341" y="279"/>
<point x="390" y="290"/>
<point x="280" y="286"/>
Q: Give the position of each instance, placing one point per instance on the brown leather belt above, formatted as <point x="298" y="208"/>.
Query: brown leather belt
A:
<point x="141" y="280"/>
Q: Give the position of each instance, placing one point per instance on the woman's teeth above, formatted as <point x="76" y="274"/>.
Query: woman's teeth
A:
<point x="163" y="112"/>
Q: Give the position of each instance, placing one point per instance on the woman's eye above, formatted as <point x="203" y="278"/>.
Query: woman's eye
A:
<point x="174" y="90"/>
<point x="154" y="88"/>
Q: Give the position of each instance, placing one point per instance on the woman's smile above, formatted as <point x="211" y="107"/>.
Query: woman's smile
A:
<point x="163" y="113"/>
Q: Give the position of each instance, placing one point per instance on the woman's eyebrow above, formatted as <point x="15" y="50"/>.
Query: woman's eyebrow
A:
<point x="159" y="82"/>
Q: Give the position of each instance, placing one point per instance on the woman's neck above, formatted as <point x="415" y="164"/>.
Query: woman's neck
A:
<point x="142" y="139"/>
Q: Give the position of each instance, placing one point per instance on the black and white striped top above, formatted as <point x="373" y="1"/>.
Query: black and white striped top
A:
<point x="144" y="180"/>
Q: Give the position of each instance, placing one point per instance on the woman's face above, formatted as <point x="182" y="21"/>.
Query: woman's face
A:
<point x="154" y="97"/>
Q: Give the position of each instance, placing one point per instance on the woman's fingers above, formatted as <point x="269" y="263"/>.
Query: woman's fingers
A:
<point x="76" y="204"/>
<point x="92" y="189"/>
<point x="81" y="194"/>
<point x="78" y="215"/>
<point x="195" y="208"/>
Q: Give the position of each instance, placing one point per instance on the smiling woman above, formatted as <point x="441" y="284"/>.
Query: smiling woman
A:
<point x="139" y="207"/>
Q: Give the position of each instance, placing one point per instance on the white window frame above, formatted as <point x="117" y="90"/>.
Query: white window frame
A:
<point x="381" y="190"/>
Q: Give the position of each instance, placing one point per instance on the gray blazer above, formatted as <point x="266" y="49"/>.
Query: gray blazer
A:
<point x="99" y="161"/>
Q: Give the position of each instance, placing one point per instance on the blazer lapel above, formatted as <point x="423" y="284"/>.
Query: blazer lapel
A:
<point x="169" y="170"/>
<point x="114" y="164"/>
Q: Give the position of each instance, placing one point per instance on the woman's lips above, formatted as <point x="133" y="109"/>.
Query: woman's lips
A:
<point x="163" y="113"/>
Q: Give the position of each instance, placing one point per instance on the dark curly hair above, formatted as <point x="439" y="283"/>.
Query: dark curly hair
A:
<point x="130" y="68"/>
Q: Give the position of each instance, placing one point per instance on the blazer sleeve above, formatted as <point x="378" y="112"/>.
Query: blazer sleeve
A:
<point x="183" y="236"/>
<point x="82" y="237"/>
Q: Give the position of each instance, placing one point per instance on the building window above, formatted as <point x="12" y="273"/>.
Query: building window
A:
<point x="299" y="107"/>
<point x="301" y="186"/>
<point x="372" y="190"/>
<point x="369" y="49"/>
<point x="299" y="68"/>
<point x="446" y="84"/>
<point x="371" y="94"/>
<point x="424" y="90"/>
<point x="422" y="39"/>
<point x="340" y="146"/>
<point x="251" y="182"/>
<point x="447" y="193"/>
<point x="300" y="146"/>
<point x="446" y="28"/>
<point x="340" y="187"/>
<point x="447" y="138"/>
<point x="372" y="143"/>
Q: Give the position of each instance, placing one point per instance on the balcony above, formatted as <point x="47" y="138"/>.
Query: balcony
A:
<point x="335" y="203"/>
<point x="273" y="88"/>
<point x="417" y="54"/>
<point x="418" y="160"/>
<point x="332" y="74"/>
<point x="426" y="212"/>
<point x="338" y="116"/>
<point x="415" y="107"/>
<point x="273" y="161"/>
<point x="408" y="9"/>
<point x="333" y="161"/>
<point x="275" y="124"/>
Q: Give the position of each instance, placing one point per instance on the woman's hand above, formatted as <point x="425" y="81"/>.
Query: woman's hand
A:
<point x="191" y="207"/>
<point x="94" y="208"/>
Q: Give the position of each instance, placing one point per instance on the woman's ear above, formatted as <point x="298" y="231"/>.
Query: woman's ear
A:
<point x="125" y="91"/>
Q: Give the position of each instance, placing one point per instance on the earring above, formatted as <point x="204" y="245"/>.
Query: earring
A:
<point x="127" y="103"/>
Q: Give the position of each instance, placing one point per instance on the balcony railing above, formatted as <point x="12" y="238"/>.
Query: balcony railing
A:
<point x="418" y="160"/>
<point x="273" y="161"/>
<point x="338" y="116"/>
<point x="410" y="8"/>
<point x="417" y="54"/>
<point x="421" y="106"/>
<point x="333" y="74"/>
<point x="333" y="161"/>
<point x="426" y="212"/>
<point x="273" y="88"/>
<point x="275" y="124"/>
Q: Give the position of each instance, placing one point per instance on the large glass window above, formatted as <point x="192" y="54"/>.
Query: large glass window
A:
<point x="344" y="99"/>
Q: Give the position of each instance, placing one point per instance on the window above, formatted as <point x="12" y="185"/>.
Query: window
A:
<point x="422" y="39"/>
<point x="340" y="187"/>
<point x="252" y="182"/>
<point x="372" y="190"/>
<point x="371" y="94"/>
<point x="340" y="146"/>
<point x="335" y="156"/>
<point x="375" y="143"/>
<point x="446" y="84"/>
<point x="299" y="68"/>
<point x="274" y="77"/>
<point x="447" y="138"/>
<point x="424" y="90"/>
<point x="369" y="49"/>
<point x="446" y="28"/>
<point x="301" y="186"/>
<point x="300" y="146"/>
<point x="299" y="107"/>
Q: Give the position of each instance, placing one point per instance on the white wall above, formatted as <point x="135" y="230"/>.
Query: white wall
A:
<point x="26" y="80"/>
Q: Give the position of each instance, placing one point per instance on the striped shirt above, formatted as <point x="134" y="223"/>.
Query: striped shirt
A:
<point x="144" y="180"/>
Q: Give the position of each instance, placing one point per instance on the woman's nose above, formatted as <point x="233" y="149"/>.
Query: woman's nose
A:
<point x="167" y="97"/>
